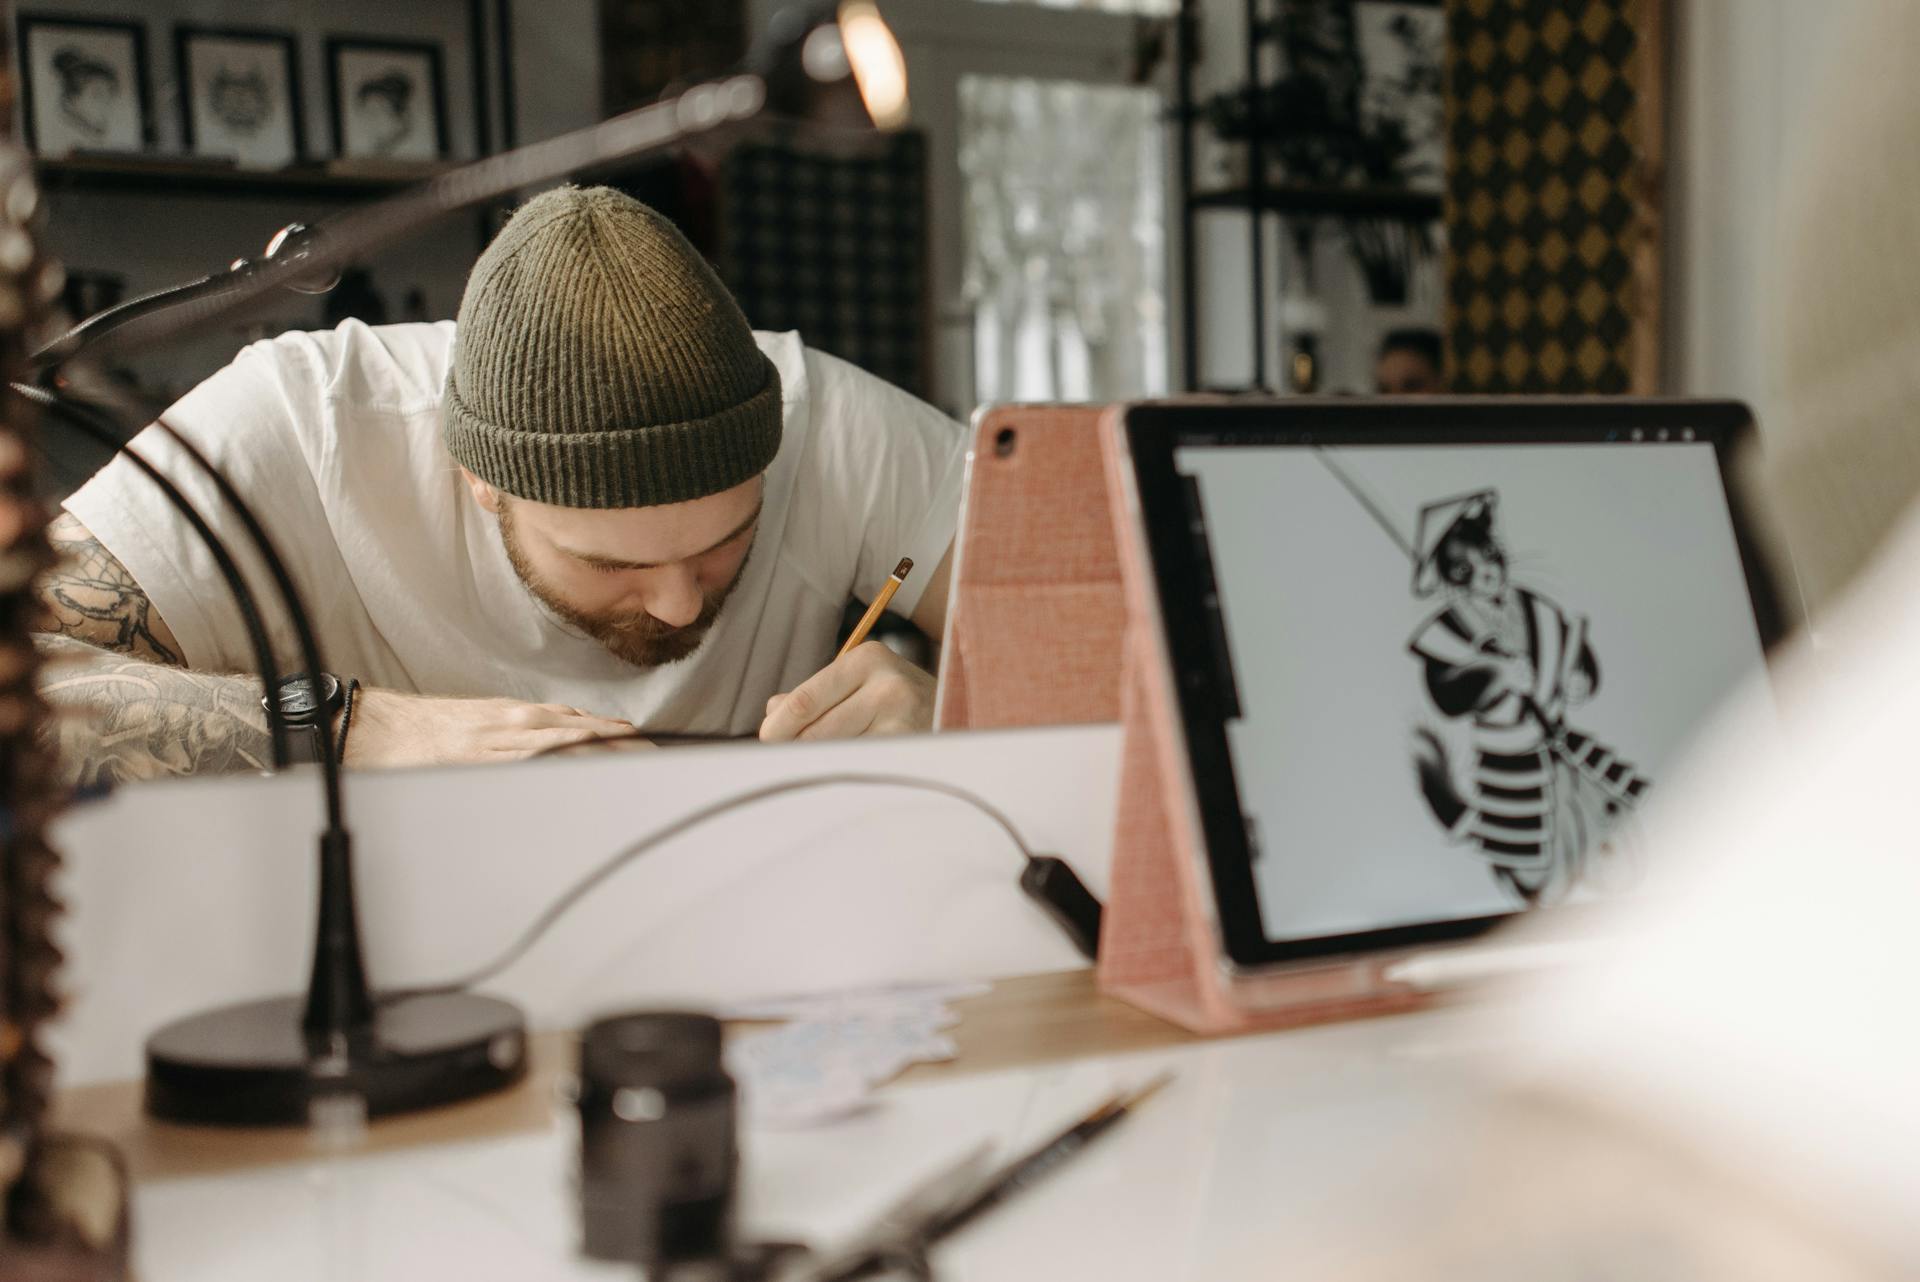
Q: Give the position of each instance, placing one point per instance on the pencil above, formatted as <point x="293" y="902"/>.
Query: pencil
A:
<point x="872" y="616"/>
<point x="1018" y="1174"/>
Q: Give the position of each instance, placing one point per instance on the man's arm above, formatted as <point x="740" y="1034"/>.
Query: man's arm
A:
<point x="89" y="596"/>
<point x="930" y="613"/>
<point x="125" y="707"/>
<point x="118" y="719"/>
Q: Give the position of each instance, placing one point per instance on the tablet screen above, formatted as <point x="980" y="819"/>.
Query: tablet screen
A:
<point x="1459" y="671"/>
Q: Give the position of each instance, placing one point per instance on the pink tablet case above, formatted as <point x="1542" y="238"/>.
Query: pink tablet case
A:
<point x="1037" y="611"/>
<point x="1160" y="946"/>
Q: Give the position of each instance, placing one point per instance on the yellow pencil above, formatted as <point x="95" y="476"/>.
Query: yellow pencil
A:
<point x="872" y="615"/>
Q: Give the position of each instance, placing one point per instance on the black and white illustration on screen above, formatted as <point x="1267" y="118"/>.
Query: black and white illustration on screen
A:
<point x="1504" y="667"/>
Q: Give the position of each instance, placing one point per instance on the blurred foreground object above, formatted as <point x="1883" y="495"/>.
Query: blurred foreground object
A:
<point x="1730" y="1095"/>
<point x="63" y="1214"/>
<point x="1843" y="461"/>
<point x="1727" y="1094"/>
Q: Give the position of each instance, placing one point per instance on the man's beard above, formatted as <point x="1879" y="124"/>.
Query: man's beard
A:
<point x="638" y="638"/>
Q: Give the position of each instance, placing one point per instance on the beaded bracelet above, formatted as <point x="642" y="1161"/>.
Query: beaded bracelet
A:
<point x="346" y="719"/>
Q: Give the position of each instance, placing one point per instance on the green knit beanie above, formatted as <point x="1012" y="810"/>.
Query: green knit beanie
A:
<point x="600" y="363"/>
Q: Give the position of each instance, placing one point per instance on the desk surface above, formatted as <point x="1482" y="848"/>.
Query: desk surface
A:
<point x="1253" y="1140"/>
<point x="1030" y="1021"/>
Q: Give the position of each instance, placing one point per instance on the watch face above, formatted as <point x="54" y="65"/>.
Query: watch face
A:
<point x="298" y="696"/>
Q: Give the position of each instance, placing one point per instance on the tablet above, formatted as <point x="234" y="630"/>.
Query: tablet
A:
<point x="1432" y="658"/>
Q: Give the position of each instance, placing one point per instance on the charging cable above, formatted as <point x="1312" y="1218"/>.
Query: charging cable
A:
<point x="1047" y="879"/>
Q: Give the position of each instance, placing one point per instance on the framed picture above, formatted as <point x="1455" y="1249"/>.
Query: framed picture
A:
<point x="1403" y="46"/>
<point x="389" y="101"/>
<point x="239" y="94"/>
<point x="85" y="84"/>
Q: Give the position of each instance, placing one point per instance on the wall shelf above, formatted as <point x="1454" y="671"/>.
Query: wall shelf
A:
<point x="165" y="176"/>
<point x="1322" y="201"/>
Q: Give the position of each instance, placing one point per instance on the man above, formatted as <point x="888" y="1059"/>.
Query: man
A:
<point x="607" y="506"/>
<point x="1410" y="364"/>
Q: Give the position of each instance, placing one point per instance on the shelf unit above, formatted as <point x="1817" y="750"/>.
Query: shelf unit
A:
<point x="489" y="27"/>
<point x="170" y="177"/>
<point x="1305" y="200"/>
<point x="1258" y="197"/>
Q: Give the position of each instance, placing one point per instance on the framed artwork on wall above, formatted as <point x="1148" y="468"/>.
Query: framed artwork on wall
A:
<point x="389" y="99"/>
<point x="84" y="84"/>
<point x="239" y="95"/>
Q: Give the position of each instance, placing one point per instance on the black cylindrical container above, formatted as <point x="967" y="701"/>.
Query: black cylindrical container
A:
<point x="658" y="1149"/>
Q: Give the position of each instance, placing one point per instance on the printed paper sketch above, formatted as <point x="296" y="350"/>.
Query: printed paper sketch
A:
<point x="85" y="84"/>
<point x="383" y="107"/>
<point x="1540" y="800"/>
<point x="89" y="88"/>
<point x="239" y="100"/>
<point x="387" y="101"/>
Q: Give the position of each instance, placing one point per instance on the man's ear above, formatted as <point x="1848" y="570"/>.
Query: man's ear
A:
<point x="485" y="495"/>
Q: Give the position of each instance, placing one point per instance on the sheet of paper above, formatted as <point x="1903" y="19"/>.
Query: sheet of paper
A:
<point x="835" y="1048"/>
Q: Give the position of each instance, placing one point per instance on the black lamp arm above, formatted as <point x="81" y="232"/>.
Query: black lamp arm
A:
<point x="290" y="254"/>
<point x="80" y="419"/>
<point x="338" y="999"/>
<point x="100" y="324"/>
<point x="350" y="236"/>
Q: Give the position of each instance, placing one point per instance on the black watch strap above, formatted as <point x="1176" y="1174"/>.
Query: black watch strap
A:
<point x="302" y="702"/>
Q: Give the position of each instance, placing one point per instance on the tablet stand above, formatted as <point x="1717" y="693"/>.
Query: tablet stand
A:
<point x="1160" y="946"/>
<point x="999" y="629"/>
<point x="1037" y="615"/>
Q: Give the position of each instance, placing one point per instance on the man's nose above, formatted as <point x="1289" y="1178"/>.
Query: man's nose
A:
<point x="673" y="596"/>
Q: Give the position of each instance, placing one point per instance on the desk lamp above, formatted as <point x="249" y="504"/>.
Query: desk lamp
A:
<point x="286" y="1060"/>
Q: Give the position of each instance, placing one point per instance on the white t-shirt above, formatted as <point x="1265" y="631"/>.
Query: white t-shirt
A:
<point x="334" y="439"/>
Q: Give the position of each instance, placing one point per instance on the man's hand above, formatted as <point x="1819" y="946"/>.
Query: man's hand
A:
<point x="871" y="690"/>
<point x="394" y="729"/>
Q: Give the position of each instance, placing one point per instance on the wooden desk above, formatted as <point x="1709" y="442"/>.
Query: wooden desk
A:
<point x="1230" y="1163"/>
<point x="1033" y="1020"/>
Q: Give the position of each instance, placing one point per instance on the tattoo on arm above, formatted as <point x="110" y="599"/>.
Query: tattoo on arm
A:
<point x="89" y="596"/>
<point x="119" y="719"/>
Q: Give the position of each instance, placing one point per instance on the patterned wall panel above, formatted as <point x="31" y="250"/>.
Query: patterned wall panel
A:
<point x="834" y="246"/>
<point x="1555" y="144"/>
<point x="647" y="46"/>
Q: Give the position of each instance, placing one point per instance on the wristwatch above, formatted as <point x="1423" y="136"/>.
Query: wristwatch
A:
<point x="302" y="702"/>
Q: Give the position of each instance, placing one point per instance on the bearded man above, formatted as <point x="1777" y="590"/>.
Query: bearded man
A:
<point x="599" y="504"/>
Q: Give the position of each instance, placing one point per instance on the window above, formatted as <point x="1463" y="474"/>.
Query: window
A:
<point x="1064" y="238"/>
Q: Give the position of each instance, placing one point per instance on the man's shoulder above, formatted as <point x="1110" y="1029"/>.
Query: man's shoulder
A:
<point x="853" y="399"/>
<point x="789" y="356"/>
<point x="403" y="367"/>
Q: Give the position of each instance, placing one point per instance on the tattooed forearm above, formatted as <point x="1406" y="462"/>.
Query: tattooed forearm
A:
<point x="118" y="719"/>
<point x="88" y="595"/>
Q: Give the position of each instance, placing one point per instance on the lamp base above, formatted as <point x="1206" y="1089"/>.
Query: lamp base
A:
<point x="253" y="1064"/>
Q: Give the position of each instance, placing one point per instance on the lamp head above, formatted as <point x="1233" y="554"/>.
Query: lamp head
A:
<point x="294" y="243"/>
<point x="809" y="49"/>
